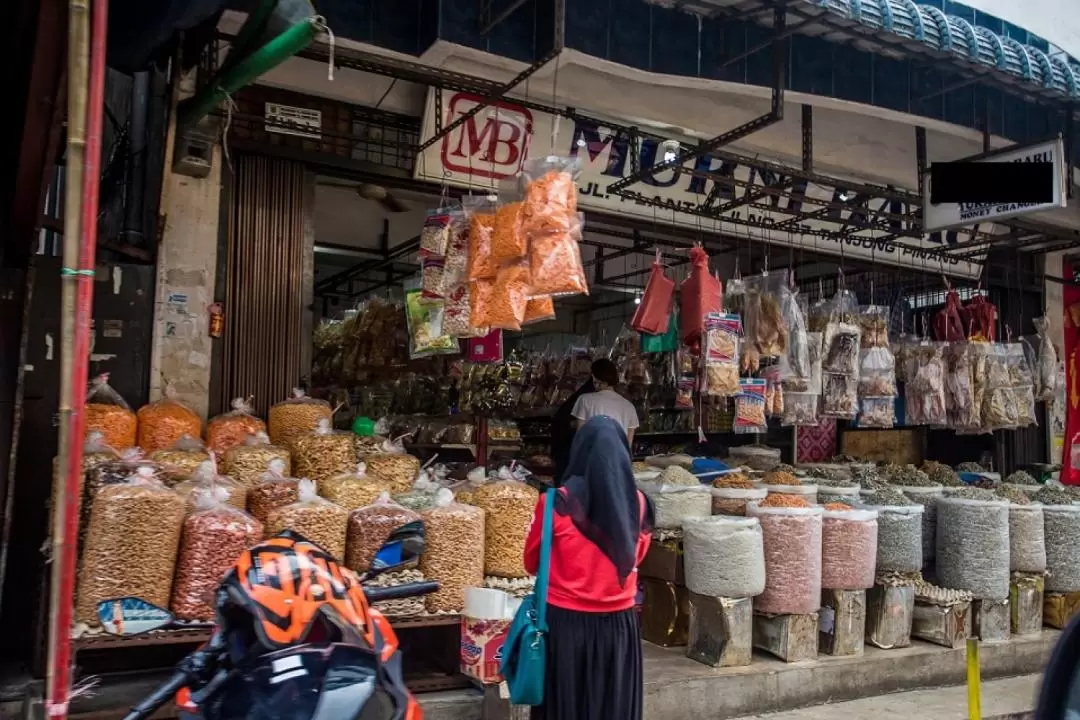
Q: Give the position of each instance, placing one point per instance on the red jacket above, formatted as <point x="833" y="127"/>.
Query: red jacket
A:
<point x="582" y="578"/>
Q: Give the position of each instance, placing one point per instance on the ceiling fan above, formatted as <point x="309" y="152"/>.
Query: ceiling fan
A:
<point x="373" y="192"/>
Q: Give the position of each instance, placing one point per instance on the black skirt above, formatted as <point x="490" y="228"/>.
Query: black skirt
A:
<point x="593" y="667"/>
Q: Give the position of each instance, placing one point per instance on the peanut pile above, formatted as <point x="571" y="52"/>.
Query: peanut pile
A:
<point x="454" y="556"/>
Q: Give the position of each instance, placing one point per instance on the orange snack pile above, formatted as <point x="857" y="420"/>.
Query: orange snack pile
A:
<point x="780" y="500"/>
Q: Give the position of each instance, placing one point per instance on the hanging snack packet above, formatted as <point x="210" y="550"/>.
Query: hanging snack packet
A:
<point x="750" y="407"/>
<point x="509" y="296"/>
<point x="550" y="197"/>
<point x="425" y="323"/>
<point x="722" y="354"/>
<point x="508" y="241"/>
<point x="539" y="309"/>
<point x="457" y="312"/>
<point x="435" y="235"/>
<point x="480" y="214"/>
<point x="432" y="269"/>
<point x="555" y="262"/>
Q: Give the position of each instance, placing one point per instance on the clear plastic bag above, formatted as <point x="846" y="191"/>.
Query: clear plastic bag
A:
<point x="370" y="526"/>
<point x="999" y="408"/>
<point x="425" y="325"/>
<point x="456" y="269"/>
<point x="182" y="459"/>
<point x="164" y="422"/>
<point x="800" y="409"/>
<point x="214" y="536"/>
<point x="509" y="506"/>
<point x="724" y="557"/>
<point x="841" y="349"/>
<point x="797" y="362"/>
<point x="316" y="519"/>
<point x="1046" y="372"/>
<point x="877" y="373"/>
<point x="538" y="309"/>
<point x="961" y="411"/>
<point x="792" y="547"/>
<point x="877" y="412"/>
<point x="436" y="232"/>
<point x="457" y="314"/>
<point x="1062" y="529"/>
<point x="750" y="407"/>
<point x="924" y="398"/>
<point x="840" y="396"/>
<point x="353" y="490"/>
<point x="550" y="195"/>
<point x="231" y="429"/>
<point x="391" y="464"/>
<point x="274" y="490"/>
<point x="900" y="544"/>
<point x="763" y="323"/>
<point x="323" y="453"/>
<point x="721" y="355"/>
<point x="672" y="504"/>
<point x="973" y="547"/>
<point x="110" y="415"/>
<point x="555" y="266"/>
<point x="873" y="321"/>
<point x="848" y="549"/>
<point x="205" y="478"/>
<point x="509" y="297"/>
<point x="432" y="283"/>
<point x="454" y="554"/>
<point x="248" y="462"/>
<point x="299" y="415"/>
<point x="508" y="240"/>
<point x="480" y="216"/>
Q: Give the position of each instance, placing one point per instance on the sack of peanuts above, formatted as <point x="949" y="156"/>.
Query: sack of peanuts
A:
<point x="792" y="540"/>
<point x="130" y="545"/>
<point x="182" y="458"/>
<point x="165" y="421"/>
<point x="206" y="478"/>
<point x="248" y="462"/>
<point x="272" y="491"/>
<point x="323" y="453"/>
<point x="109" y="414"/>
<point x="454" y="555"/>
<point x="295" y="417"/>
<point x="231" y="429"/>
<point x="97" y="451"/>
<point x="214" y="536"/>
<point x="353" y="490"/>
<point x="848" y="548"/>
<point x="509" y="505"/>
<point x="393" y="465"/>
<point x="370" y="526"/>
<point x="316" y="519"/>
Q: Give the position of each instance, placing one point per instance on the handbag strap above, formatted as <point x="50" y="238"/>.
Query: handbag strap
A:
<point x="541" y="589"/>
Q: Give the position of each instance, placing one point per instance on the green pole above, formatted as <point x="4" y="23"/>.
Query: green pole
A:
<point x="249" y="32"/>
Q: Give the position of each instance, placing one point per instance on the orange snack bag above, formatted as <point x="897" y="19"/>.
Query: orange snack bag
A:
<point x="164" y="422"/>
<point x="555" y="263"/>
<point x="509" y="296"/>
<point x="508" y="242"/>
<point x="480" y="215"/>
<point x="479" y="302"/>
<point x="539" y="309"/>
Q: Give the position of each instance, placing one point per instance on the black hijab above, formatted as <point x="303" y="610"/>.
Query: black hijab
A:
<point x="601" y="498"/>
<point x="562" y="431"/>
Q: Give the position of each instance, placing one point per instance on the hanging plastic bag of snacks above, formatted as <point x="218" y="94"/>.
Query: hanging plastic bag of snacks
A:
<point x="205" y="477"/>
<point x="370" y="526"/>
<point x="431" y="278"/>
<point x="323" y="453"/>
<point x="1046" y="387"/>
<point x="873" y="321"/>
<point x="841" y="349"/>
<point x="509" y="505"/>
<point x="182" y="459"/>
<point x="701" y="293"/>
<point x="721" y="355"/>
<point x="538" y="309"/>
<point x="214" y="535"/>
<point x="877" y="373"/>
<point x="555" y="266"/>
<point x="110" y="415"/>
<point x="1022" y="380"/>
<point x="273" y="490"/>
<point x="393" y="465"/>
<point x="791" y="532"/>
<point x="796" y="362"/>
<point x="924" y="396"/>
<point x="480" y="216"/>
<point x="509" y="297"/>
<point x="230" y="429"/>
<point x="164" y="422"/>
<point x="848" y="548"/>
<point x="877" y="412"/>
<point x="840" y="396"/>
<point x="750" y="407"/>
<point x="130" y="545"/>
<point x="654" y="311"/>
<point x="457" y="314"/>
<point x="296" y="416"/>
<point x="961" y="411"/>
<point x="800" y="409"/>
<point x="353" y="490"/>
<point x="248" y="462"/>
<point x="763" y="322"/>
<point x="508" y="241"/>
<point x="456" y="270"/>
<point x="316" y="519"/>
<point x="425" y="325"/>
<point x="550" y="196"/>
<point x="454" y="552"/>
<point x="436" y="232"/>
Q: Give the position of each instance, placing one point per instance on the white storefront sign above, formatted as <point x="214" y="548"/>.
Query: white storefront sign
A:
<point x="290" y="120"/>
<point x="494" y="144"/>
<point x="953" y="215"/>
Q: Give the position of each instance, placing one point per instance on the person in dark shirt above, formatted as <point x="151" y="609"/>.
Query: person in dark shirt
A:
<point x="601" y="529"/>
<point x="562" y="431"/>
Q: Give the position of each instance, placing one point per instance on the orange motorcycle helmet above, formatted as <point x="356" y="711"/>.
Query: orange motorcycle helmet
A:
<point x="285" y="584"/>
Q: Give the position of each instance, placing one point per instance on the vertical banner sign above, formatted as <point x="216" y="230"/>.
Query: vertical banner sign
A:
<point x="1070" y="453"/>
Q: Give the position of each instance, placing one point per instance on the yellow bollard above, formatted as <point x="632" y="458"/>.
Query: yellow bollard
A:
<point x="973" y="680"/>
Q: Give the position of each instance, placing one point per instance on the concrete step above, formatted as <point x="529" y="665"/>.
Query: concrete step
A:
<point x="1008" y="699"/>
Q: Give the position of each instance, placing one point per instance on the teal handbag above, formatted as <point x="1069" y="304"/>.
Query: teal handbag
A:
<point x="525" y="651"/>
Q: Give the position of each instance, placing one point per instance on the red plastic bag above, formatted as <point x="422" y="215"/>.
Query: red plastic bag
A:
<point x="654" y="312"/>
<point x="948" y="326"/>
<point x="700" y="294"/>
<point x="979" y="317"/>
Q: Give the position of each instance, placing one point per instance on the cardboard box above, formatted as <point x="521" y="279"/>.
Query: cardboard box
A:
<point x="481" y="648"/>
<point x="664" y="562"/>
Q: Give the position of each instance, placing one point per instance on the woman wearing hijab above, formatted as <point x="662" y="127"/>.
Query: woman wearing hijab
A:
<point x="562" y="431"/>
<point x="600" y="532"/>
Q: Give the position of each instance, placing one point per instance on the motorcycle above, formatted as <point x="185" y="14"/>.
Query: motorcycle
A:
<point x="295" y="638"/>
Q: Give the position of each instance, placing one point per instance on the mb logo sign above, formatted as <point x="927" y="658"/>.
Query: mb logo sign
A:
<point x="491" y="144"/>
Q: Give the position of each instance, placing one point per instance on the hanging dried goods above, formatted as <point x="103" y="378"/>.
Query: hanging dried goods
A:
<point x="323" y="453"/>
<point x="480" y="214"/>
<point x="248" y="462"/>
<point x="164" y="422"/>
<point x="232" y="429"/>
<point x="555" y="267"/>
<point x="297" y="416"/>
<point x="724" y="557"/>
<point x="792" y="548"/>
<point x="1046" y="374"/>
<point x="109" y="414"/>
<point x="550" y="198"/>
<point x="454" y="555"/>
<point x="316" y="519"/>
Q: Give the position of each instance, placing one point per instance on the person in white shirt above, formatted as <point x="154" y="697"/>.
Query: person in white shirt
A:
<point x="605" y="401"/>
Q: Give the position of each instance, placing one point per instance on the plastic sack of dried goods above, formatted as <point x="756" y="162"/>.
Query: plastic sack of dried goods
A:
<point x="431" y="278"/>
<point x="841" y="348"/>
<point x="393" y="465"/>
<point x="182" y="459"/>
<point x="457" y="313"/>
<point x="733" y="501"/>
<point x="928" y="497"/>
<point x="550" y="192"/>
<point x="248" y="462"/>
<point x="800" y="409"/>
<point x="370" y="526"/>
<point x="973" y="546"/>
<point x="792" y="544"/>
<point x="1046" y="367"/>
<point x="508" y="298"/>
<point x="837" y="493"/>
<point x="877" y="373"/>
<point x="839" y="396"/>
<point x="435" y="234"/>
<point x="353" y="490"/>
<point x="755" y="457"/>
<point x="1062" y="532"/>
<point x="848" y="549"/>
<point x="130" y="545"/>
<point x="701" y="293"/>
<point x="109" y="414"/>
<point x="323" y="453"/>
<point x="900" y="545"/>
<point x="674" y="503"/>
<point x="721" y="355"/>
<point x="924" y="395"/>
<point x="654" y="312"/>
<point x="555" y="267"/>
<point x="204" y="478"/>
<point x="454" y="554"/>
<point x="100" y="469"/>
<point x="214" y="536"/>
<point x="316" y="519"/>
<point x="96" y="451"/>
<point x="425" y="325"/>
<point x="1027" y="538"/>
<point x="165" y="421"/>
<point x="272" y="491"/>
<point x="877" y="412"/>
<point x="961" y="410"/>
<point x="508" y="240"/>
<point x="297" y="416"/>
<point x="806" y="492"/>
<point x="725" y="557"/>
<point x="509" y="506"/>
<point x="873" y="322"/>
<point x="539" y="309"/>
<point x="480" y="216"/>
<point x="230" y="429"/>
<point x="766" y="330"/>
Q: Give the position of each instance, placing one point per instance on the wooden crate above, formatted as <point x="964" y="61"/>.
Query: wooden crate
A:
<point x="721" y="630"/>
<point x="1059" y="608"/>
<point x="792" y="638"/>
<point x="842" y="622"/>
<point x="665" y="613"/>
<point x="1026" y="604"/>
<point x="945" y="625"/>
<point x="889" y="611"/>
<point x="990" y="620"/>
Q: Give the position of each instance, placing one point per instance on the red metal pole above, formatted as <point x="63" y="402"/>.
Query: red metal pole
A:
<point x="60" y="658"/>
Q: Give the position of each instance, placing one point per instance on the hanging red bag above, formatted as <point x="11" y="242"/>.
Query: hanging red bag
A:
<point x="654" y="311"/>
<point x="700" y="294"/>
<point x="948" y="327"/>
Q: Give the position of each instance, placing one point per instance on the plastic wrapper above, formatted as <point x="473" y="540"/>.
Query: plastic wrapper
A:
<point x="927" y="496"/>
<point x="110" y="415"/>
<point x="700" y="294"/>
<point x="1027" y="538"/>
<point x="457" y="313"/>
<point x="508" y="298"/>
<point x="800" y="409"/>
<point x="973" y="547"/>
<point x="206" y="479"/>
<point x="353" y="490"/>
<point x="733" y="500"/>
<point x="721" y="355"/>
<point x="370" y="526"/>
<point x="102" y="468"/>
<point x="130" y="545"/>
<point x="508" y="240"/>
<point x="164" y="422"/>
<point x="297" y="416"/>
<point x="877" y="373"/>
<point x="877" y="412"/>
<point x="839" y="396"/>
<point x="999" y="408"/>
<point x="899" y="547"/>
<point x="182" y="459"/>
<point x="674" y="503"/>
<point x="961" y="411"/>
<point x="436" y="232"/>
<point x="1046" y="370"/>
<point x="538" y="309"/>
<point x="750" y="407"/>
<point x="480" y="216"/>
<point x="792" y="545"/>
<point x="432" y="280"/>
<point x="755" y="457"/>
<point x="841" y="349"/>
<point x="425" y="325"/>
<point x="454" y="555"/>
<point x="323" y="453"/>
<point x="549" y="205"/>
<point x="848" y="549"/>
<point x="214" y="536"/>
<point x="873" y="322"/>
<point x="1062" y="532"/>
<point x="248" y="462"/>
<point x="508" y="507"/>
<point x="837" y="493"/>
<point x="765" y="329"/>
<point x="924" y="396"/>
<point x="394" y="466"/>
<point x="315" y="518"/>
<point x="97" y="451"/>
<point x="1021" y="361"/>
<point x="456" y="269"/>
<point x="555" y="267"/>
<point x="273" y="490"/>
<point x="724" y="557"/>
<point x="806" y="492"/>
<point x="232" y="428"/>
<point x="653" y="314"/>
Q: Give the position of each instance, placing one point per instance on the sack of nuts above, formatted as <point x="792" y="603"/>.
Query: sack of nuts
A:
<point x="214" y="535"/>
<point x="182" y="459"/>
<point x="370" y="526"/>
<point x="323" y="453"/>
<point x="509" y="505"/>
<point x="395" y="466"/>
<point x="230" y="429"/>
<point x="454" y="556"/>
<point x="295" y="417"/>
<point x="318" y="520"/>
<point x="164" y="422"/>
<point x="130" y="545"/>
<point x="206" y="478"/>
<point x="248" y="462"/>
<point x="109" y="414"/>
<point x="353" y="490"/>
<point x="273" y="490"/>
